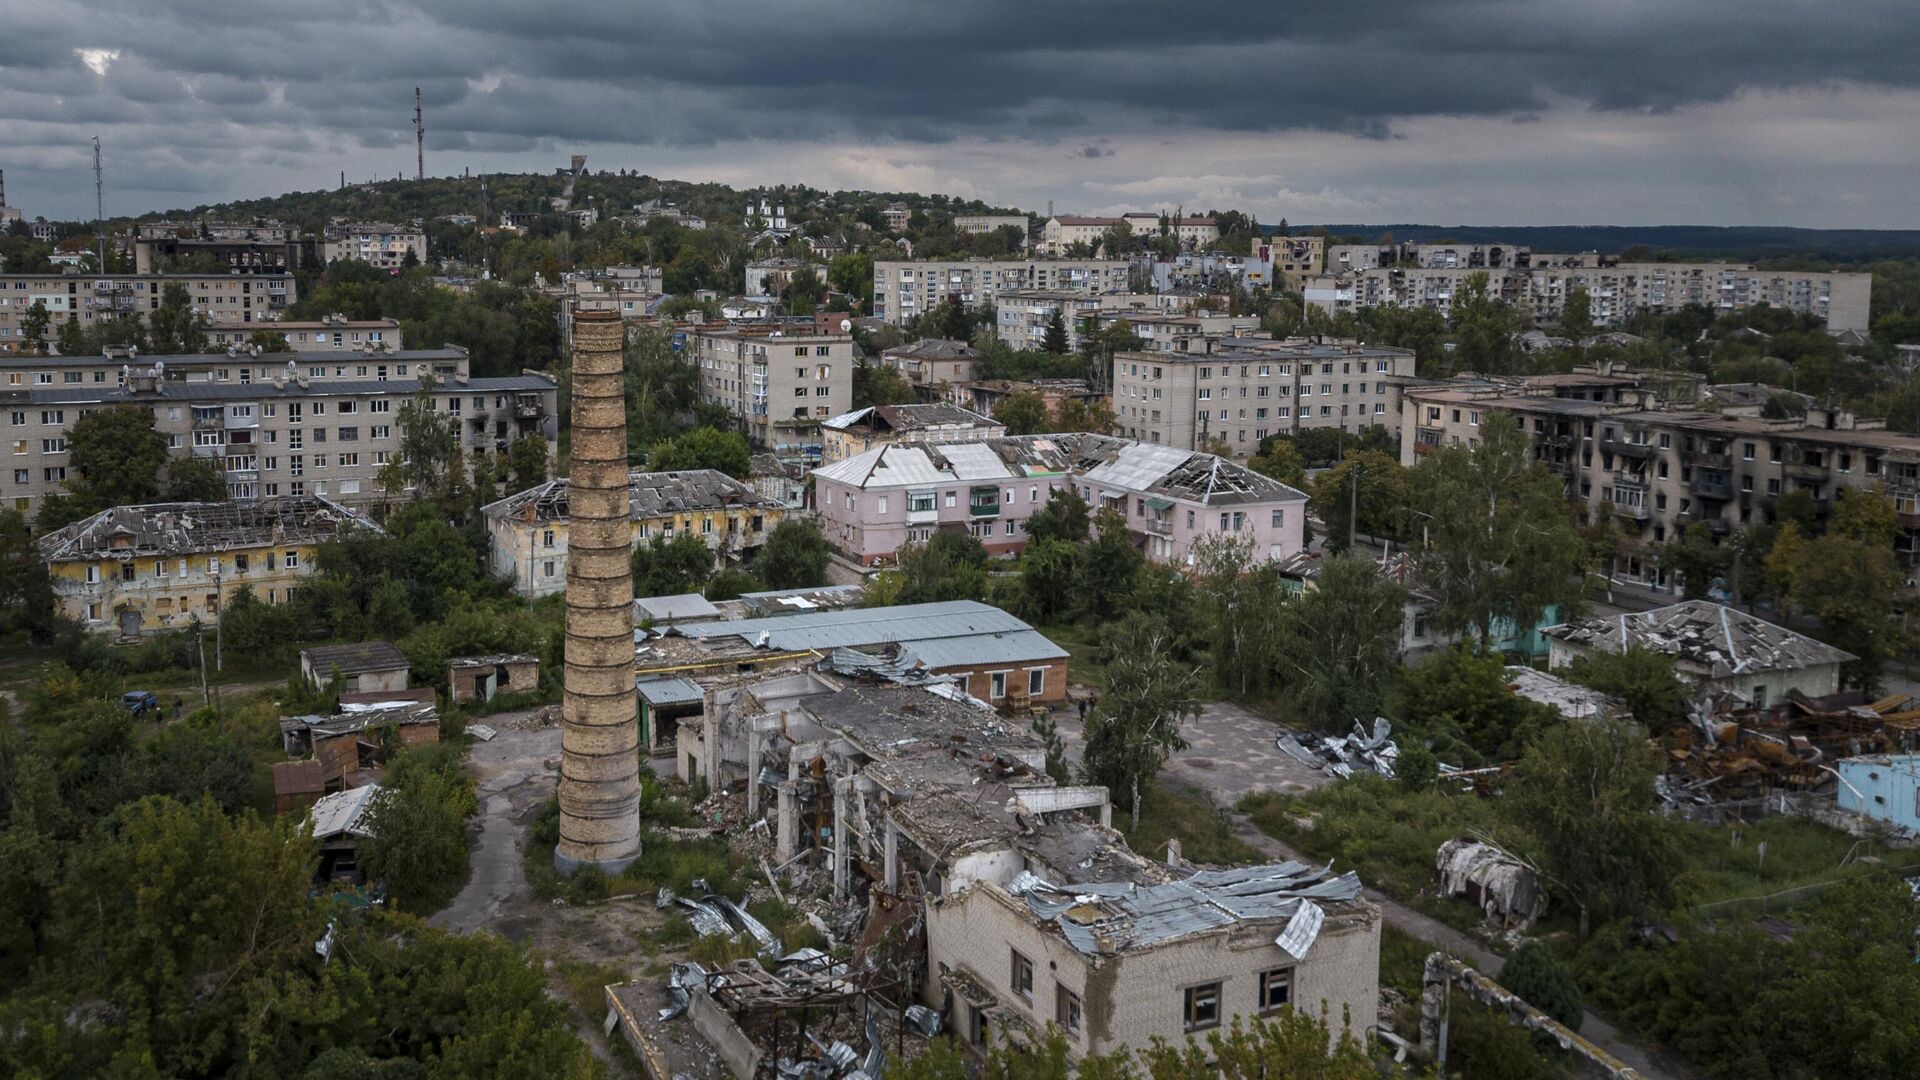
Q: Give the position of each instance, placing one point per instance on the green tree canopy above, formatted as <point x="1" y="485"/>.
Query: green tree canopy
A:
<point x="1136" y="722"/>
<point x="1338" y="646"/>
<point x="1023" y="413"/>
<point x="114" y="458"/>
<point x="664" y="567"/>
<point x="1641" y="680"/>
<point x="1460" y="702"/>
<point x="703" y="448"/>
<point x="795" y="556"/>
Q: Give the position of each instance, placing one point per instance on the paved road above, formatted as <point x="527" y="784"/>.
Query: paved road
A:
<point x="512" y="778"/>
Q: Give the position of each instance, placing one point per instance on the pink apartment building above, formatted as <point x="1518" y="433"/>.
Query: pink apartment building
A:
<point x="875" y="502"/>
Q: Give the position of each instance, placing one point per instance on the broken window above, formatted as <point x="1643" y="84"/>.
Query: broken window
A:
<point x="1022" y="967"/>
<point x="1202" y="1007"/>
<point x="1276" y="989"/>
<point x="1066" y="1010"/>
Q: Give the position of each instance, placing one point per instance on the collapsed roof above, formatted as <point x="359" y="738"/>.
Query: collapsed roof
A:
<point x="184" y="528"/>
<point x="1097" y="917"/>
<point x="652" y="494"/>
<point x="911" y="418"/>
<point x="1705" y="639"/>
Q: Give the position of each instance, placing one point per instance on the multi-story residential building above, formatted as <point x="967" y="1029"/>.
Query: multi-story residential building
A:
<point x="382" y="245"/>
<point x="896" y="216"/>
<point x="874" y="503"/>
<point x="42" y="231"/>
<point x="527" y="531"/>
<point x="219" y="298"/>
<point x="164" y="246"/>
<point x="286" y="435"/>
<point x="1168" y="331"/>
<point x="882" y="425"/>
<point x="932" y="366"/>
<point x="1657" y="469"/>
<point x="903" y="291"/>
<point x="985" y="396"/>
<point x="1293" y="258"/>
<point x="1021" y="318"/>
<point x="1061" y="233"/>
<point x="140" y="569"/>
<point x="332" y="333"/>
<point x="118" y="365"/>
<point x="978" y="224"/>
<point x="1246" y="389"/>
<point x="1616" y="291"/>
<point x="770" y="277"/>
<point x="779" y="382"/>
<point x="1342" y="257"/>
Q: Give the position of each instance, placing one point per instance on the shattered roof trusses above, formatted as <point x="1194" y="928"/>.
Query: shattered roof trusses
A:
<point x="1716" y="640"/>
<point x="191" y="528"/>
<point x="652" y="494"/>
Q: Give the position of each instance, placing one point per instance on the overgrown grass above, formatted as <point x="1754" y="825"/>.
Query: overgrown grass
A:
<point x="1387" y="834"/>
<point x="1730" y="862"/>
<point x="1205" y="831"/>
<point x="1083" y="648"/>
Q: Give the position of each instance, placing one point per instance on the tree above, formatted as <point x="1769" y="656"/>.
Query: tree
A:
<point x="1576" y="315"/>
<point x="703" y="448"/>
<point x="1062" y="517"/>
<point x="1239" y="599"/>
<point x="26" y="589"/>
<point x="1501" y="548"/>
<point x="1074" y="414"/>
<point x="1484" y="329"/>
<point x="429" y="448"/>
<point x="1137" y="721"/>
<point x="1640" y="680"/>
<point x="1538" y="976"/>
<point x="1696" y="559"/>
<point x="1112" y="562"/>
<point x="33" y="327"/>
<point x="1366" y="489"/>
<point x="114" y="458"/>
<point x="795" y="556"/>
<point x="527" y="462"/>
<point x="417" y="828"/>
<point x="71" y="338"/>
<point x="1050" y="575"/>
<point x="1023" y="412"/>
<point x="1056" y="341"/>
<point x="1338" y="643"/>
<point x="195" y="479"/>
<point x="878" y="384"/>
<point x="1460" y="702"/>
<point x="664" y="567"/>
<point x="950" y="566"/>
<point x="1280" y="460"/>
<point x="730" y="583"/>
<point x="1849" y="586"/>
<point x="1583" y="796"/>
<point x="174" y="326"/>
<point x="661" y="387"/>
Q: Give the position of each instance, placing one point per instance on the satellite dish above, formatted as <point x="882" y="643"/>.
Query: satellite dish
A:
<point x="846" y="325"/>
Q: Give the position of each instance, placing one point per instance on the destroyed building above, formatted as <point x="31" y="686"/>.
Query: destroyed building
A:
<point x="880" y="425"/>
<point x="135" y="570"/>
<point x="352" y="743"/>
<point x="1118" y="963"/>
<point x="1715" y="648"/>
<point x="482" y="678"/>
<point x="1508" y="891"/>
<point x="876" y="502"/>
<point x="527" y="531"/>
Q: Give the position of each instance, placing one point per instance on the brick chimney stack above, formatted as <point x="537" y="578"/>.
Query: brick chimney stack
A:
<point x="600" y="734"/>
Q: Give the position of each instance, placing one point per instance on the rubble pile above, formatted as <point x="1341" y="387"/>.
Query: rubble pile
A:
<point x="1730" y="750"/>
<point x="1344" y="755"/>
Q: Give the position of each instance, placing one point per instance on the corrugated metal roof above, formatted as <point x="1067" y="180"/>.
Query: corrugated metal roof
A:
<point x="1135" y="916"/>
<point x="339" y="814"/>
<point x="1138" y="466"/>
<point x="1008" y="647"/>
<point x="975" y="461"/>
<point x="863" y="626"/>
<point x="669" y="691"/>
<point x="678" y="606"/>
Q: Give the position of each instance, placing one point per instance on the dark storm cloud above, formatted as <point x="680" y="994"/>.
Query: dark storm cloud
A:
<point x="202" y="79"/>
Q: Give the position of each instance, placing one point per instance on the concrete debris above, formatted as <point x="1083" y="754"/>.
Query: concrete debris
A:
<point x="481" y="732"/>
<point x="1507" y="890"/>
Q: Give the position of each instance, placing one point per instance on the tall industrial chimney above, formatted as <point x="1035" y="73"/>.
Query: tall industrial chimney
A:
<point x="600" y="734"/>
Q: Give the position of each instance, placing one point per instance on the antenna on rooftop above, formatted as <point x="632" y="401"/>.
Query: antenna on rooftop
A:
<point x="419" y="139"/>
<point x="99" y="205"/>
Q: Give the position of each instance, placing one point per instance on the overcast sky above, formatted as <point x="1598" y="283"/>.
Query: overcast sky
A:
<point x="1794" y="112"/>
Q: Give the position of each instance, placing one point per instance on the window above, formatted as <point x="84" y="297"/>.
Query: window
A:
<point x="881" y="504"/>
<point x="1202" y="1007"/>
<point x="998" y="681"/>
<point x="1066" y="1010"/>
<point x="1276" y="989"/>
<point x="1022" y="976"/>
<point x="1279" y="519"/>
<point x="1036" y="681"/>
<point x="292" y="560"/>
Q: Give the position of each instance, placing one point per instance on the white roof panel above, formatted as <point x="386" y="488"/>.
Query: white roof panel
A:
<point x="976" y="461"/>
<point x="1139" y="466"/>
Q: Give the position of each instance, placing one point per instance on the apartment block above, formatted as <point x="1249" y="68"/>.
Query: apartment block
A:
<point x="139" y="569"/>
<point x="162" y="246"/>
<point x="333" y="333"/>
<point x="382" y="245"/>
<point x="1342" y="257"/>
<point x="1169" y="331"/>
<point x="874" y="503"/>
<point x="1246" y="389"/>
<point x="932" y="365"/>
<point x="1617" y="291"/>
<point x="1659" y="468"/>
<point x="903" y="291"/>
<point x="289" y="435"/>
<point x="118" y="365"/>
<point x="882" y="425"/>
<point x="220" y="298"/>
<point x="778" y="382"/>
<point x="1021" y="318"/>
<point x="1061" y="233"/>
<point x="1293" y="258"/>
<point x="527" y="531"/>
<point x="978" y="224"/>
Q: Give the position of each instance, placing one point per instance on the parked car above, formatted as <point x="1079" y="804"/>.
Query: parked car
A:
<point x="139" y="701"/>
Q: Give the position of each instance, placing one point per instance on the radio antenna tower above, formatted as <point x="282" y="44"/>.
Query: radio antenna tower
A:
<point x="99" y="205"/>
<point x="419" y="139"/>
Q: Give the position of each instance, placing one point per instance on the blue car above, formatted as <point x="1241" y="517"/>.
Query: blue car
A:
<point x="139" y="701"/>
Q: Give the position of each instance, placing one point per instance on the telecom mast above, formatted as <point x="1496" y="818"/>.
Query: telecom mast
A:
<point x="419" y="139"/>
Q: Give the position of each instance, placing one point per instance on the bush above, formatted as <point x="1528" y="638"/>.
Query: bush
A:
<point x="1537" y="975"/>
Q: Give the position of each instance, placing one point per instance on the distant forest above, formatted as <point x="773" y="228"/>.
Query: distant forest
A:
<point x="1662" y="242"/>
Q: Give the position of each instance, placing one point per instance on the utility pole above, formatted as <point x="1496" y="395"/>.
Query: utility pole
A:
<point x="99" y="205"/>
<point x="219" y="613"/>
<point x="1353" y="503"/>
<point x="419" y="139"/>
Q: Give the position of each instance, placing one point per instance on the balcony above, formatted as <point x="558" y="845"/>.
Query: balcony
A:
<point x="1711" y="486"/>
<point x="1635" y="510"/>
<point x="1426" y="440"/>
<point x="1712" y="459"/>
<point x="1160" y="524"/>
<point x="1801" y="470"/>
<point x="1639" y="451"/>
<point x="528" y="410"/>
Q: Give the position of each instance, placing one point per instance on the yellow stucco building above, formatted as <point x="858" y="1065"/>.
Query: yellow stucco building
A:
<point x="136" y="570"/>
<point x="527" y="532"/>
